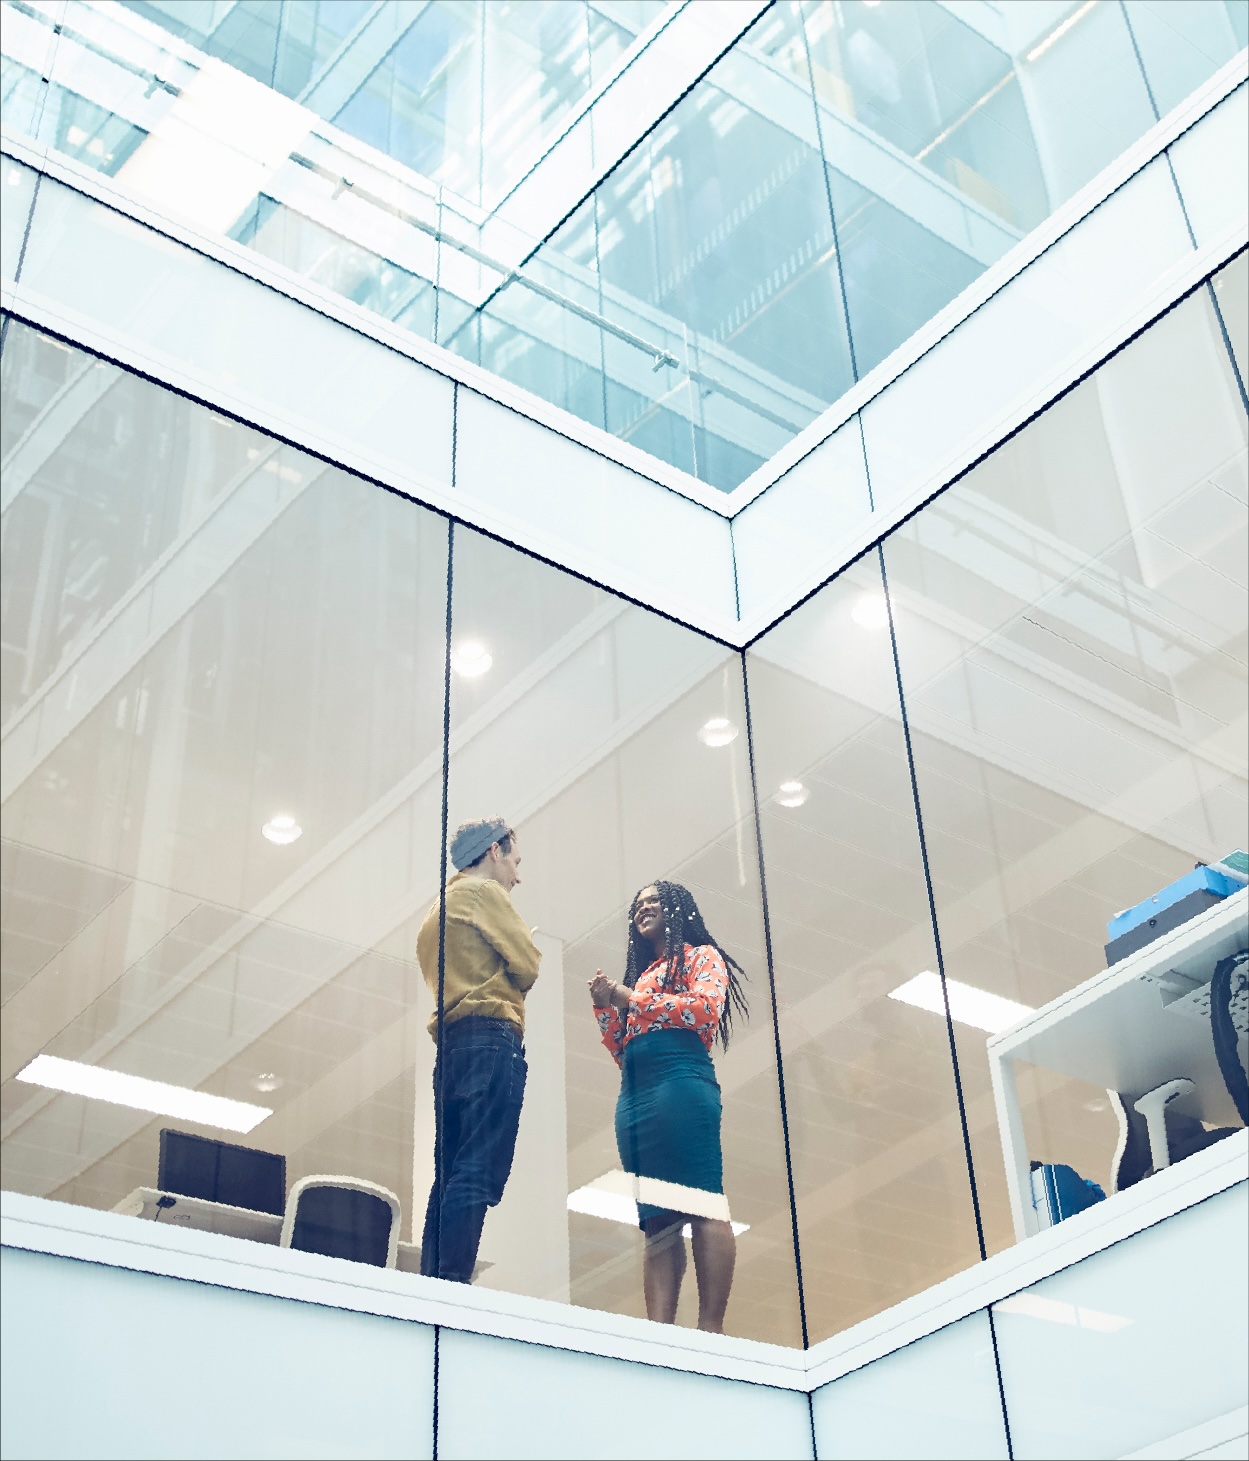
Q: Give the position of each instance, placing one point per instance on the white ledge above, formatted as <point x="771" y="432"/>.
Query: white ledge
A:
<point x="39" y="1225"/>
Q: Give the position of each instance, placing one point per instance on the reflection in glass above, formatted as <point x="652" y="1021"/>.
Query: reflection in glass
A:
<point x="1071" y="622"/>
<point x="222" y="716"/>
<point x="466" y="94"/>
<point x="584" y="734"/>
<point x="834" y="181"/>
<point x="880" y="1174"/>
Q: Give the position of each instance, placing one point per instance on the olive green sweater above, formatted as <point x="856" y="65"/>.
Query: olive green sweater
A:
<point x="491" y="961"/>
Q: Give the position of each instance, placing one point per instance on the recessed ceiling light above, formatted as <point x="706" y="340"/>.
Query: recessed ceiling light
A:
<point x="139" y="1094"/>
<point x="718" y="731"/>
<point x="792" y="793"/>
<point x="15" y="177"/>
<point x="870" y="611"/>
<point x="282" y="830"/>
<point x="968" y="1005"/>
<point x="471" y="658"/>
<point x="267" y="1081"/>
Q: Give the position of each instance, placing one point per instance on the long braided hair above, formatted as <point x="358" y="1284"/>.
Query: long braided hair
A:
<point x="684" y="925"/>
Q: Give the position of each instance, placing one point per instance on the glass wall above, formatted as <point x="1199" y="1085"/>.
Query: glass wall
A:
<point x="222" y="818"/>
<point x="1071" y="623"/>
<point x="616" y="743"/>
<point x="466" y="93"/>
<point x="222" y="723"/>
<point x="908" y="811"/>
<point x="880" y="1174"/>
<point x="835" y="180"/>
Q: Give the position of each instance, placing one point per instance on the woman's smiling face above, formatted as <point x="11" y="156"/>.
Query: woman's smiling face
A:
<point x="648" y="916"/>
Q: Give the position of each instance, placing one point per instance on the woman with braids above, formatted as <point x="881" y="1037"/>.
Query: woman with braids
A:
<point x="680" y="993"/>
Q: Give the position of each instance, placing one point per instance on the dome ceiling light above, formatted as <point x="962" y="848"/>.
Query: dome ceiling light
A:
<point x="871" y="611"/>
<point x="718" y="731"/>
<point x="792" y="793"/>
<point x="282" y="830"/>
<point x="471" y="659"/>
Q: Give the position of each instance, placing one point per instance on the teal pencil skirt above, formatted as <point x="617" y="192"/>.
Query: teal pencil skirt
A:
<point x="668" y="1114"/>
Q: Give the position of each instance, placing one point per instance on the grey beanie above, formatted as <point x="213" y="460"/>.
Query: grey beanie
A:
<point x="472" y="839"/>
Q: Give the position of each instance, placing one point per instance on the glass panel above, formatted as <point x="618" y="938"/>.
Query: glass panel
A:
<point x="1182" y="43"/>
<point x="1072" y="632"/>
<point x="960" y="396"/>
<point x="884" y="1200"/>
<point x="1082" y="87"/>
<point x="1231" y="290"/>
<point x="703" y="262"/>
<point x="466" y="93"/>
<point x="222" y="726"/>
<point x="613" y="742"/>
<point x="843" y="158"/>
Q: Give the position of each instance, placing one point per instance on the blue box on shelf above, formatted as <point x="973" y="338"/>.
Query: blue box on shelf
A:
<point x="1201" y="880"/>
<point x="1173" y="905"/>
<point x="1059" y="1192"/>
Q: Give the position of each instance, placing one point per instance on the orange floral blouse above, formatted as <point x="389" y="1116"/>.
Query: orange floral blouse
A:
<point x="697" y="1006"/>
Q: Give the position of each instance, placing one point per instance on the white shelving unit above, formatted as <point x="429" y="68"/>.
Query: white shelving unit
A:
<point x="1139" y="1023"/>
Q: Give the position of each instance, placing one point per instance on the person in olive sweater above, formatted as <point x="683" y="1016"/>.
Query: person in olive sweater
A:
<point x="479" y="961"/>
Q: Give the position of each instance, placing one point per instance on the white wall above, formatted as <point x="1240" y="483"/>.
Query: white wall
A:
<point x="550" y="1403"/>
<point x="108" y="1362"/>
<point x="936" y="1397"/>
<point x="1139" y="1349"/>
<point x="1146" y="1340"/>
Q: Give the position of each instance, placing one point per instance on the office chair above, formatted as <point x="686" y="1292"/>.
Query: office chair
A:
<point x="343" y="1217"/>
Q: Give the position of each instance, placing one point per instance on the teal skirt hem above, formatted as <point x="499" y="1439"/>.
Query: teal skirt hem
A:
<point x="668" y="1115"/>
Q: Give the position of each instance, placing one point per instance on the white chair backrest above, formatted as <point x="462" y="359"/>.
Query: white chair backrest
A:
<point x="352" y="1184"/>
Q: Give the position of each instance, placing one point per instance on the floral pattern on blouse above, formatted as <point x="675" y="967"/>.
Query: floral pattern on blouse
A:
<point x="697" y="1005"/>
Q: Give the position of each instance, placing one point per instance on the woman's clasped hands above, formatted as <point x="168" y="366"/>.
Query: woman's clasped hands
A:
<point x="605" y="991"/>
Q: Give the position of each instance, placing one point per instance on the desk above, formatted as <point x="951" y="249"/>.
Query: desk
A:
<point x="236" y="1222"/>
<point x="1130" y="1028"/>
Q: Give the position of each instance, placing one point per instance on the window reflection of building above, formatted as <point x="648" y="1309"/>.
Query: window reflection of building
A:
<point x="831" y="184"/>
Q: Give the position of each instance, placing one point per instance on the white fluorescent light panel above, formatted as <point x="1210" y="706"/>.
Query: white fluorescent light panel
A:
<point x="968" y="1005"/>
<point x="77" y="1079"/>
<point x="604" y="1198"/>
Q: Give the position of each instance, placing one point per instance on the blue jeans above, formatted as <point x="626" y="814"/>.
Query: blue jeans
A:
<point x="482" y="1070"/>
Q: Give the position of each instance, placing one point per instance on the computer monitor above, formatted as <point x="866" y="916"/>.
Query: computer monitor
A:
<point x="218" y="1171"/>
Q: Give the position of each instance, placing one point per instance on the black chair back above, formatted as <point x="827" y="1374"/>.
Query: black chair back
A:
<point x="342" y="1223"/>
